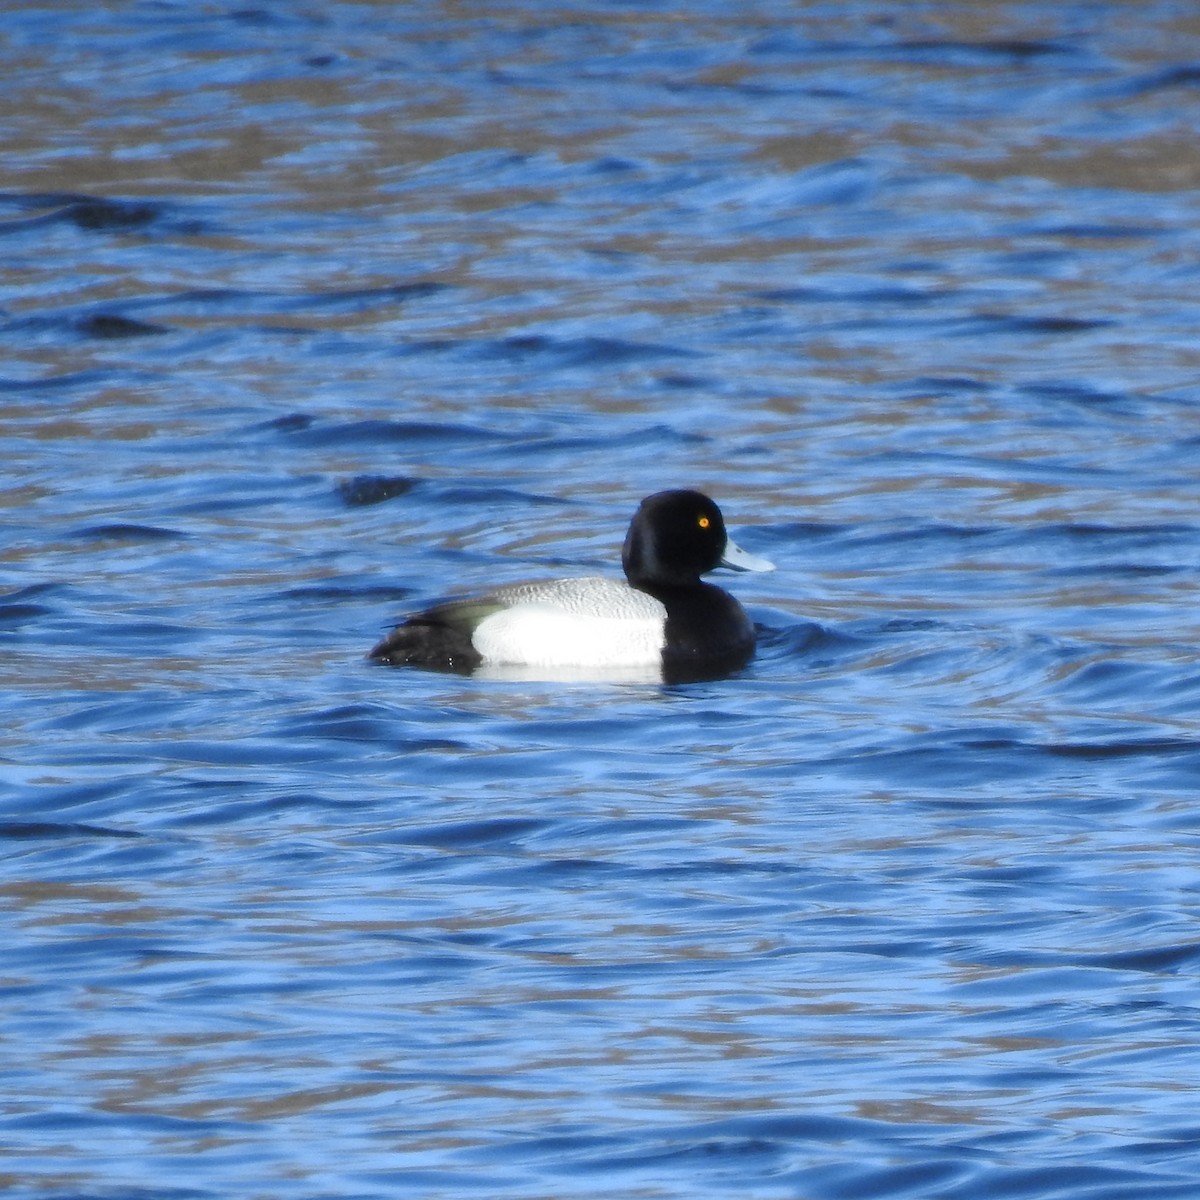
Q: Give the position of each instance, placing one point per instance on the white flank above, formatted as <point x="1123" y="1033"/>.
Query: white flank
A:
<point x="593" y="622"/>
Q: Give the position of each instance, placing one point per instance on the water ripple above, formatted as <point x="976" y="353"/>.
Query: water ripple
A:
<point x="377" y="305"/>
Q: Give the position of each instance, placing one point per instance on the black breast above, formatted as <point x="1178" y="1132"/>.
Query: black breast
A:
<point x="707" y="632"/>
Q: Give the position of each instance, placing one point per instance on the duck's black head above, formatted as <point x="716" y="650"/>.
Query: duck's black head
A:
<point x="677" y="536"/>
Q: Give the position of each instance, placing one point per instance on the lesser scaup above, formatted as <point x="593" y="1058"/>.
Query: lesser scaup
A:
<point x="664" y="617"/>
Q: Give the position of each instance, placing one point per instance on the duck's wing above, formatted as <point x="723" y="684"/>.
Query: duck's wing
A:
<point x="591" y="596"/>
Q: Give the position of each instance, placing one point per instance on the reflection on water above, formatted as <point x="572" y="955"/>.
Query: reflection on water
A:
<point x="312" y="317"/>
<point x="519" y="673"/>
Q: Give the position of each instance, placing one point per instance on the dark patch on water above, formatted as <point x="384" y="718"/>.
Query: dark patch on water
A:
<point x="364" y="490"/>
<point x="296" y="422"/>
<point x="113" y="325"/>
<point x="1016" y="324"/>
<point x="20" y="830"/>
<point x="126" y="532"/>
<point x="579" y="352"/>
<point x="19" y="614"/>
<point x="1017" y="50"/>
<point x="680" y="381"/>
<point x="95" y="214"/>
<point x="380" y="432"/>
<point x="1134" y="748"/>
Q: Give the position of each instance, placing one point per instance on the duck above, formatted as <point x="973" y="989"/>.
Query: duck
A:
<point x="662" y="617"/>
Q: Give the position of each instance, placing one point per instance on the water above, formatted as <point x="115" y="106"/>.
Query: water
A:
<point x="311" y="315"/>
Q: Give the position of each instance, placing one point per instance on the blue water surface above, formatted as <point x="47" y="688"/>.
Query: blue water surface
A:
<point x="313" y="314"/>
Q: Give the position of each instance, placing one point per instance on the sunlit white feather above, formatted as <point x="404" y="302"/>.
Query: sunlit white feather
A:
<point x="592" y="621"/>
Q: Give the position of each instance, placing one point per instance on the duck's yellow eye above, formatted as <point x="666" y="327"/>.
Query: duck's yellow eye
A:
<point x="703" y="522"/>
